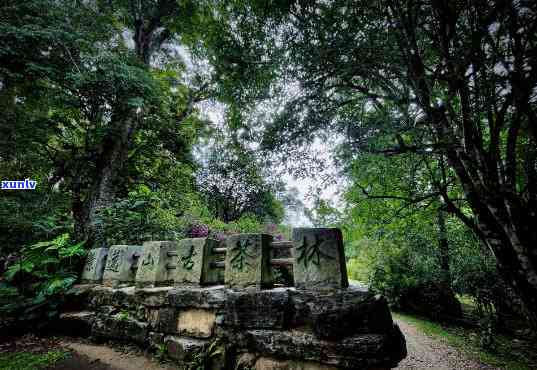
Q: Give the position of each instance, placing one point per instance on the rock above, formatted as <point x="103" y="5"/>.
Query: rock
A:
<point x="266" y="363"/>
<point x="76" y="323"/>
<point x="184" y="349"/>
<point x="433" y="300"/>
<point x="195" y="259"/>
<point x="340" y="313"/>
<point x="163" y="319"/>
<point x="106" y="296"/>
<point x="196" y="322"/>
<point x="78" y="297"/>
<point x="204" y="297"/>
<point x="363" y="351"/>
<point x="120" y="328"/>
<point x="265" y="309"/>
<point x="246" y="361"/>
<point x="156" y="266"/>
<point x="155" y="339"/>
<point x="152" y="297"/>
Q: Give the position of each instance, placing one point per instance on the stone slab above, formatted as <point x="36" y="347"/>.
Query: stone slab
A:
<point x="367" y="351"/>
<point x="156" y="264"/>
<point x="248" y="261"/>
<point x="264" y="309"/>
<point x="120" y="328"/>
<point x="268" y="363"/>
<point x="184" y="349"/>
<point x="319" y="261"/>
<point x="196" y="322"/>
<point x="94" y="267"/>
<point x="328" y="313"/>
<point x="162" y="319"/>
<point x="106" y="296"/>
<point x="75" y="323"/>
<point x="194" y="262"/>
<point x="152" y="297"/>
<point x="213" y="297"/>
<point x="120" y="269"/>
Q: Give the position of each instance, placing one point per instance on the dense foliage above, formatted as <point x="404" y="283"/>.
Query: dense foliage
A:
<point x="429" y="107"/>
<point x="99" y="108"/>
<point x="451" y="82"/>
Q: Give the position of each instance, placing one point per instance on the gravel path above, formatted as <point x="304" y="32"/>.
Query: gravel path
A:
<point x="427" y="353"/>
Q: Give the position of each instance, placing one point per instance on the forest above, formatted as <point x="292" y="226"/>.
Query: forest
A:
<point x="409" y="125"/>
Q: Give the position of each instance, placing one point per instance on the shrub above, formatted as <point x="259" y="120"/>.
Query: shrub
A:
<point x="34" y="286"/>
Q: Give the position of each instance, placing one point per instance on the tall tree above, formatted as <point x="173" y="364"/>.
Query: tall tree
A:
<point x="456" y="79"/>
<point x="234" y="184"/>
<point x="70" y="73"/>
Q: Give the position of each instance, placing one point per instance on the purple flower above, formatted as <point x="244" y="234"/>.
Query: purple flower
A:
<point x="198" y="231"/>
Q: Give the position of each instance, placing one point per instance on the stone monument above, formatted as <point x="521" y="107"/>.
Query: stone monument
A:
<point x="196" y="262"/>
<point x="319" y="259"/>
<point x="156" y="265"/>
<point x="248" y="261"/>
<point x="121" y="265"/>
<point x="94" y="267"/>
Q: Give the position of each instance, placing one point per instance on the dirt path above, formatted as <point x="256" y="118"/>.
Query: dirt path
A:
<point x="427" y="353"/>
<point x="86" y="356"/>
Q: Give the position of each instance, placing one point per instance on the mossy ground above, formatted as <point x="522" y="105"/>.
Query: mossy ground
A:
<point x="31" y="361"/>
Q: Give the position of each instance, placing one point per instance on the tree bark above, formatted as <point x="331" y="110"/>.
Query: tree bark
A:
<point x="109" y="163"/>
<point x="443" y="248"/>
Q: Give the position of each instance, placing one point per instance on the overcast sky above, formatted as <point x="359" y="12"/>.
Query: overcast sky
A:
<point x="306" y="186"/>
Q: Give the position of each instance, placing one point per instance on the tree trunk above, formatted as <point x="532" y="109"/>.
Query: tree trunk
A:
<point x="443" y="248"/>
<point x="504" y="216"/>
<point x="114" y="147"/>
<point x="110" y="161"/>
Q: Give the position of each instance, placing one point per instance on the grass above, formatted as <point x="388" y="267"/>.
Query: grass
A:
<point x="506" y="356"/>
<point x="30" y="361"/>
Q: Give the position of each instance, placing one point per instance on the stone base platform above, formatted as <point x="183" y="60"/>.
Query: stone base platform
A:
<point x="218" y="328"/>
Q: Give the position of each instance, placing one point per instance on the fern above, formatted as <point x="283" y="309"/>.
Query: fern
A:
<point x="35" y="286"/>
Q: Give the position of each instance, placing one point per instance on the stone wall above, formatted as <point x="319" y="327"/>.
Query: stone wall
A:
<point x="216" y="305"/>
<point x="280" y="328"/>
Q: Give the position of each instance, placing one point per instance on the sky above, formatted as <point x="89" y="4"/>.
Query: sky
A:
<point x="306" y="186"/>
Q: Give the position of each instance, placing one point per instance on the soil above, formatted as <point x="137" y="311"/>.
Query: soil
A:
<point x="85" y="356"/>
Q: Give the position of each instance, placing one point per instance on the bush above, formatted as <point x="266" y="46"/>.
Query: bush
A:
<point x="34" y="286"/>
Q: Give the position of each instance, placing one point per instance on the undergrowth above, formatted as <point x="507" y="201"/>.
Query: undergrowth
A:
<point x="30" y="361"/>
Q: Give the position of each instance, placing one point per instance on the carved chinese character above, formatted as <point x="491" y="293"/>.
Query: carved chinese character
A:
<point x="121" y="265"/>
<point x="155" y="263"/>
<point x="114" y="260"/>
<point x="240" y="255"/>
<point x="94" y="268"/>
<point x="248" y="261"/>
<point x="311" y="252"/>
<point x="187" y="260"/>
<point x="319" y="259"/>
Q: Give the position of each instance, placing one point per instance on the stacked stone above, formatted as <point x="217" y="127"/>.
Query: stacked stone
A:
<point x="178" y="302"/>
